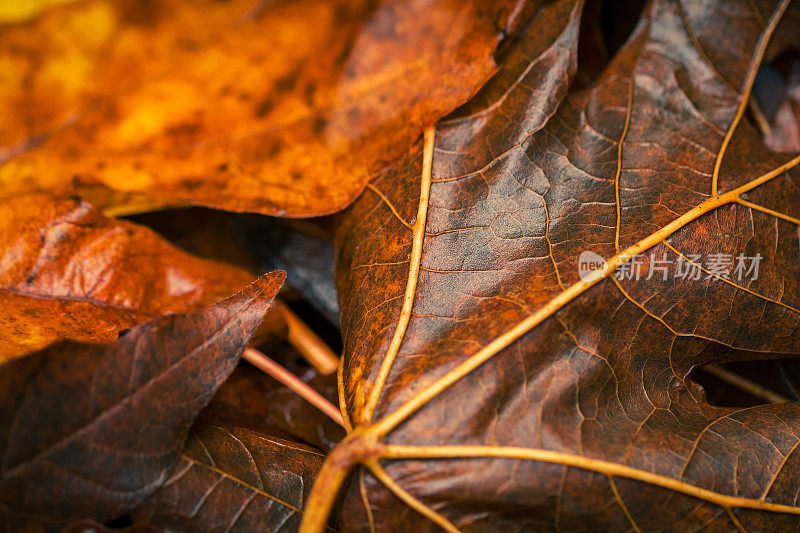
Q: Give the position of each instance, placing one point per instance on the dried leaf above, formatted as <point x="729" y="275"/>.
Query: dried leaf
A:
<point x="69" y="272"/>
<point x="277" y="107"/>
<point x="235" y="479"/>
<point x="491" y="386"/>
<point x="90" y="431"/>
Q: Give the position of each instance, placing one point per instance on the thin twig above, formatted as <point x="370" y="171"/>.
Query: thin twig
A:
<point x="310" y="346"/>
<point x="750" y="387"/>
<point x="758" y="117"/>
<point x="275" y="370"/>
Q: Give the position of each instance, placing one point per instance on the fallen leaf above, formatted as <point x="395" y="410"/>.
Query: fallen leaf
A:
<point x="494" y="388"/>
<point x="285" y="108"/>
<point x="235" y="479"/>
<point x="90" y="431"/>
<point x="69" y="272"/>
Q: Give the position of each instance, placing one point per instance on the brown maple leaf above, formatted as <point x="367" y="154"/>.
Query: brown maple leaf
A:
<point x="491" y="387"/>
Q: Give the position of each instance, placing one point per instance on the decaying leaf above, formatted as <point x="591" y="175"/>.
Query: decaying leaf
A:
<point x="90" y="431"/>
<point x="491" y="387"/>
<point x="277" y="107"/>
<point x="235" y="479"/>
<point x="69" y="272"/>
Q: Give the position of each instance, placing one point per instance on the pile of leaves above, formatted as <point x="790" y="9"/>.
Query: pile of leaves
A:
<point x="367" y="265"/>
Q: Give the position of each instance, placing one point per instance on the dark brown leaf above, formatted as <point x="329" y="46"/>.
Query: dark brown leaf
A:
<point x="90" y="431"/>
<point x="499" y="390"/>
<point x="237" y="480"/>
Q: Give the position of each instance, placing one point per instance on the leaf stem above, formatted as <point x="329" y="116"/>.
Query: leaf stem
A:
<point x="275" y="370"/>
<point x="310" y="346"/>
<point x="358" y="446"/>
<point x="750" y="387"/>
